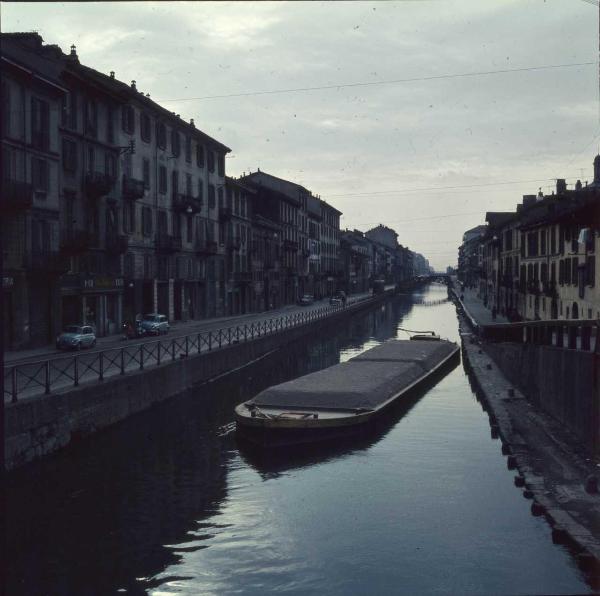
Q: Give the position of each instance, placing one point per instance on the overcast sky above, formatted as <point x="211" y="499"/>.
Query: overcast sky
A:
<point x="365" y="148"/>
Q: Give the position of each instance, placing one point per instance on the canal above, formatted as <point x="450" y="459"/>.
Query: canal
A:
<point x="167" y="502"/>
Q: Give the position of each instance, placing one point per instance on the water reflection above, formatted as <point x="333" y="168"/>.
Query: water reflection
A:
<point x="165" y="502"/>
<point x="100" y="516"/>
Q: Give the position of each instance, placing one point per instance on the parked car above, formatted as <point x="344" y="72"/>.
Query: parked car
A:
<point x="339" y="298"/>
<point x="155" y="324"/>
<point x="75" y="337"/>
<point x="306" y="300"/>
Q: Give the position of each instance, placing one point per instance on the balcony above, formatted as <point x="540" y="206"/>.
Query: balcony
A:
<point x="166" y="243"/>
<point x="47" y="261"/>
<point x="75" y="242"/>
<point x="97" y="185"/>
<point x="133" y="189"/>
<point x="207" y="248"/>
<point x="549" y="289"/>
<point x="16" y="196"/>
<point x="242" y="276"/>
<point x="116" y="244"/>
<point x="290" y="245"/>
<point x="225" y="213"/>
<point x="234" y="243"/>
<point x="533" y="287"/>
<point x="186" y="204"/>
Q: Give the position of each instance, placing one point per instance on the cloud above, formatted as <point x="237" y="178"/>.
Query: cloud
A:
<point x="451" y="132"/>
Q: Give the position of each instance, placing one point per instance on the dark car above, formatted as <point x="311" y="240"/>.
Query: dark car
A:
<point x="338" y="299"/>
<point x="306" y="300"/>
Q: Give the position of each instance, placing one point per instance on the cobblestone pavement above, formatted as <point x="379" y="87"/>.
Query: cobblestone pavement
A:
<point x="550" y="469"/>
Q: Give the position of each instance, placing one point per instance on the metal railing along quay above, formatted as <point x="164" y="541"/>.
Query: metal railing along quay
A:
<point x="51" y="374"/>
<point x="572" y="334"/>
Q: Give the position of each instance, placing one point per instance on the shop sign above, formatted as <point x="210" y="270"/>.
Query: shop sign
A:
<point x="102" y="283"/>
<point x="8" y="282"/>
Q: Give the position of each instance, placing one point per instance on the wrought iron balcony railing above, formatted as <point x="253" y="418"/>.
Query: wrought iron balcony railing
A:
<point x="47" y="261"/>
<point x="116" y="244"/>
<point x="97" y="185"/>
<point x="133" y="188"/>
<point x="167" y="243"/>
<point x="16" y="196"/>
<point x="75" y="242"/>
<point x="208" y="247"/>
<point x="183" y="203"/>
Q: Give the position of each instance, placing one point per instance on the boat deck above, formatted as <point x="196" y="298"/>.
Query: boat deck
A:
<point x="364" y="383"/>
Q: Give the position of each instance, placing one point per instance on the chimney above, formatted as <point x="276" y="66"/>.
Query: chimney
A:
<point x="528" y="200"/>
<point x="561" y="186"/>
<point x="578" y="185"/>
<point x="112" y="74"/>
<point x="597" y="170"/>
<point x="192" y="123"/>
<point x="133" y="86"/>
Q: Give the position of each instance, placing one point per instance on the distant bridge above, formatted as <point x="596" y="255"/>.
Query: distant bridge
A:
<point x="441" y="277"/>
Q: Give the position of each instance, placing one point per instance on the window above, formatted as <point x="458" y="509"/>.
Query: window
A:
<point x="91" y="117"/>
<point x="161" y="135"/>
<point x="542" y="242"/>
<point x="175" y="182"/>
<point x="188" y="185"/>
<point x="553" y="240"/>
<point x="91" y="161"/>
<point x="39" y="176"/>
<point x="211" y="196"/>
<point x="200" y="189"/>
<point x="129" y="263"/>
<point x="199" y="155"/>
<point x="553" y="272"/>
<point x="110" y="125"/>
<point x="72" y="110"/>
<point x="110" y="165"/>
<point x="590" y="270"/>
<point x="69" y="155"/>
<point x="146" y="173"/>
<point x="129" y="217"/>
<point x="221" y="165"/>
<point x="145" y="127"/>
<point x="188" y="148"/>
<point x="189" y="228"/>
<point x="148" y="269"/>
<point x="574" y="266"/>
<point x="176" y="224"/>
<point x="40" y="124"/>
<point x="211" y="161"/>
<point x="162" y="179"/>
<point x="146" y="221"/>
<point x="220" y="195"/>
<point x="128" y="119"/>
<point x="175" y="146"/>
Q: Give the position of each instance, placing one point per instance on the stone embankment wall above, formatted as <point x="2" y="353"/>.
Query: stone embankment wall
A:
<point x="39" y="426"/>
<point x="562" y="382"/>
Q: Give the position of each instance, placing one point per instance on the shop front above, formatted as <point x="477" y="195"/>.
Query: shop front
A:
<point x="95" y="300"/>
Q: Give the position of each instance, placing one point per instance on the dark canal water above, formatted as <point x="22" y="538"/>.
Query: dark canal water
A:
<point x="166" y="502"/>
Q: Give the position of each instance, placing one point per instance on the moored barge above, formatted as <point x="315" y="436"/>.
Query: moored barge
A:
<point x="343" y="398"/>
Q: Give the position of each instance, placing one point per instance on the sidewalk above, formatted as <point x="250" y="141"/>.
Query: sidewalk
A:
<point x="475" y="308"/>
<point x="180" y="328"/>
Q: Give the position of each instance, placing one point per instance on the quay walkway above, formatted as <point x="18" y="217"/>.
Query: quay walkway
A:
<point x="45" y="371"/>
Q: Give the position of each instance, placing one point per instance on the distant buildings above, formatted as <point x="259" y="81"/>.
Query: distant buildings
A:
<point x="539" y="262"/>
<point x="113" y="206"/>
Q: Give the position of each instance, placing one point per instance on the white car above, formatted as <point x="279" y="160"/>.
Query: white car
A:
<point x="75" y="337"/>
<point x="155" y="324"/>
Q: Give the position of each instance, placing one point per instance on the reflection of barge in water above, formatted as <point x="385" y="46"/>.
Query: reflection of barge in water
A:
<point x="343" y="398"/>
